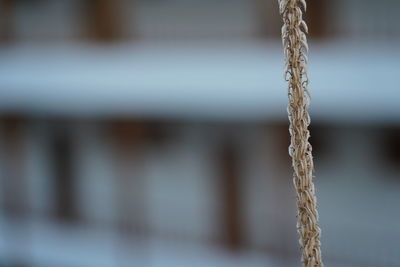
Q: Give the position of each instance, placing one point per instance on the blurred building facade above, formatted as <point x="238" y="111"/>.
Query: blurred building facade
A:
<point x="106" y="20"/>
<point x="87" y="185"/>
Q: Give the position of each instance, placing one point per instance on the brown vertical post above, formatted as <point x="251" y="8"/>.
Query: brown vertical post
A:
<point x="64" y="180"/>
<point x="283" y="208"/>
<point x="14" y="185"/>
<point x="7" y="20"/>
<point x="15" y="191"/>
<point x="317" y="17"/>
<point x="230" y="196"/>
<point x="104" y="20"/>
<point x="391" y="145"/>
<point x="128" y="137"/>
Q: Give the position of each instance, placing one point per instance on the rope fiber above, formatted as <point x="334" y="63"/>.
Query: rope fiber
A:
<point x="295" y="49"/>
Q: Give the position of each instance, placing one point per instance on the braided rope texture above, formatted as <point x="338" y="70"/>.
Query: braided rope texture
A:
<point x="295" y="49"/>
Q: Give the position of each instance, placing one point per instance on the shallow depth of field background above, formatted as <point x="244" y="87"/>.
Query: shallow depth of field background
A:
<point x="153" y="133"/>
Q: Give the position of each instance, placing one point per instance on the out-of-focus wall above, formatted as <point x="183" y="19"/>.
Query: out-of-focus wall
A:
<point x="154" y="133"/>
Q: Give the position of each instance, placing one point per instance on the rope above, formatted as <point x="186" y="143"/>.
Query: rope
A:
<point x="295" y="48"/>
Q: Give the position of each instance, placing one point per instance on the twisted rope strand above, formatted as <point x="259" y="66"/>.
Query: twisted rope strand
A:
<point x="295" y="48"/>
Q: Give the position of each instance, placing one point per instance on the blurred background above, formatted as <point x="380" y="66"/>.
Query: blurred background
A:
<point x="154" y="133"/>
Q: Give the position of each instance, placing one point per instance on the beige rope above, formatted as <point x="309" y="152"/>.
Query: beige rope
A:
<point x="295" y="47"/>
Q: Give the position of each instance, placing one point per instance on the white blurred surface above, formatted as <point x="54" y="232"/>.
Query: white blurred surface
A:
<point x="243" y="80"/>
<point x="44" y="243"/>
